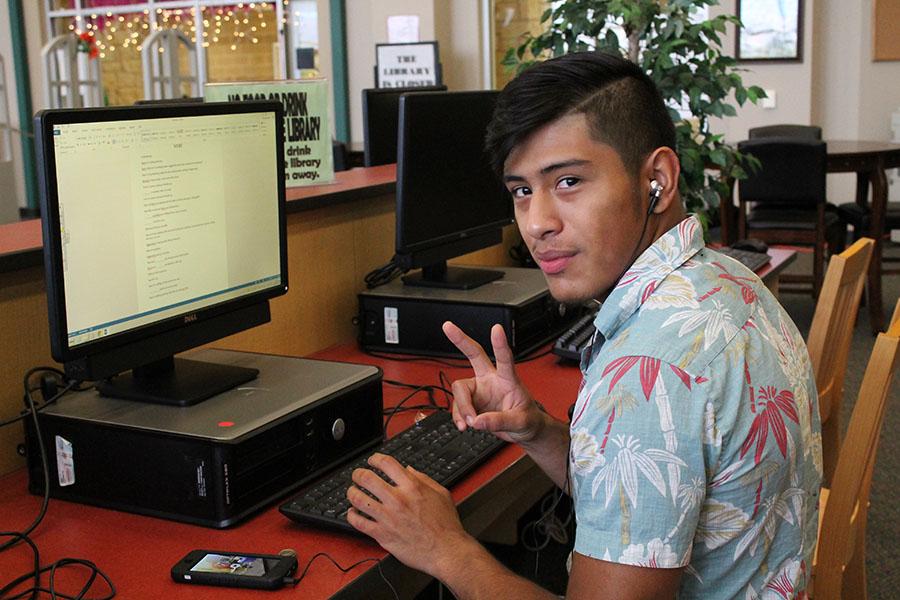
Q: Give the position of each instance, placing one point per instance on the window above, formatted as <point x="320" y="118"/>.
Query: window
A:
<point x="232" y="41"/>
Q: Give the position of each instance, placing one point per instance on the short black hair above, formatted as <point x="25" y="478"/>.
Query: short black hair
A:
<point x="622" y="104"/>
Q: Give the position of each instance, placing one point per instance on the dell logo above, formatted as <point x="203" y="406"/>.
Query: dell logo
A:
<point x="190" y="318"/>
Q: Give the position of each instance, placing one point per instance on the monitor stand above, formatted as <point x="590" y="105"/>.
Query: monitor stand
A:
<point x="439" y="275"/>
<point x="176" y="381"/>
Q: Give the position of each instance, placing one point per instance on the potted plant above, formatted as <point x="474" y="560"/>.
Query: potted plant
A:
<point x="683" y="55"/>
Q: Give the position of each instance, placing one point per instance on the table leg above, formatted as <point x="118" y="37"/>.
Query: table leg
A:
<point x="876" y="230"/>
<point x="862" y="191"/>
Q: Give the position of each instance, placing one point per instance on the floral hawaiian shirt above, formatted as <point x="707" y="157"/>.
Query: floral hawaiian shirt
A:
<point x="695" y="439"/>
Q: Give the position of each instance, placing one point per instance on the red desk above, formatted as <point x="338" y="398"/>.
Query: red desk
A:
<point x="136" y="552"/>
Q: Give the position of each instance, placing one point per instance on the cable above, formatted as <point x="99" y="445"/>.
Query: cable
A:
<point x="36" y="589"/>
<point x="382" y="275"/>
<point x="345" y="569"/>
<point x="81" y="387"/>
<point x="43" y="451"/>
<point x="427" y="387"/>
<point x="397" y="407"/>
<point x="541" y="354"/>
<point x="461" y="363"/>
<point x="35" y="573"/>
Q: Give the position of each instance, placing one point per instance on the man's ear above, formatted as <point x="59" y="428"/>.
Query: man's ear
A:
<point x="663" y="167"/>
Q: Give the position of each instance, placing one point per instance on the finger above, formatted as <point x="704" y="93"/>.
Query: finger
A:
<point x="365" y="504"/>
<point x="375" y="485"/>
<point x="463" y="408"/>
<point x="472" y="350"/>
<point x="426" y="480"/>
<point x="390" y="467"/>
<point x="507" y="421"/>
<point x="361" y="522"/>
<point x="503" y="353"/>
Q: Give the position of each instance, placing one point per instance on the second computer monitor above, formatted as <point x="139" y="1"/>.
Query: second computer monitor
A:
<point x="449" y="201"/>
<point x="381" y="108"/>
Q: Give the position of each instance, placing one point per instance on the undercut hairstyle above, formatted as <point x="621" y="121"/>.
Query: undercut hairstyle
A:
<point x="623" y="107"/>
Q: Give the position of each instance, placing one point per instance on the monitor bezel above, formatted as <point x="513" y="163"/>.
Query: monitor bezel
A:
<point x="44" y="122"/>
<point x="418" y="254"/>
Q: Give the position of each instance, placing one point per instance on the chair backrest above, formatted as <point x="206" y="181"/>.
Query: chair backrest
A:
<point x="832" y="331"/>
<point x="806" y="132"/>
<point x="852" y="478"/>
<point x="792" y="172"/>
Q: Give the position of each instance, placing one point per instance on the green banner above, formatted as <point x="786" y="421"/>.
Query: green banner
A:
<point x="307" y="134"/>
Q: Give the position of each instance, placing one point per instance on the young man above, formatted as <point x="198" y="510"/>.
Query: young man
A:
<point x="693" y="455"/>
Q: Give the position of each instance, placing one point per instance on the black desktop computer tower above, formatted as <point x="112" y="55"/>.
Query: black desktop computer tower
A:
<point x="407" y="319"/>
<point x="216" y="462"/>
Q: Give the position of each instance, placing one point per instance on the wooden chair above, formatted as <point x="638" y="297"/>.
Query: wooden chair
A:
<point x="829" y="340"/>
<point x="839" y="568"/>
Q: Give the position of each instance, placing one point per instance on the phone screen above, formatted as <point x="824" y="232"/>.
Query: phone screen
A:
<point x="234" y="564"/>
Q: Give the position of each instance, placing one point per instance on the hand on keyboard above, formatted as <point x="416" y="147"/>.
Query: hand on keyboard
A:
<point x="407" y="512"/>
<point x="494" y="400"/>
<point x="433" y="446"/>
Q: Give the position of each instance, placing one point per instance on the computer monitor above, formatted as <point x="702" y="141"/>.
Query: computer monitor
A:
<point x="164" y="229"/>
<point x="381" y="108"/>
<point x="449" y="201"/>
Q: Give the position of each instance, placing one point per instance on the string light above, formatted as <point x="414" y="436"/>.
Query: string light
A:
<point x="119" y="31"/>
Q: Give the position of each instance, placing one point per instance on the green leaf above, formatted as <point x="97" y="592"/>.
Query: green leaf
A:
<point x="719" y="157"/>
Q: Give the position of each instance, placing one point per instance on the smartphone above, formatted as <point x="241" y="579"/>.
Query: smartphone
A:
<point x="235" y="569"/>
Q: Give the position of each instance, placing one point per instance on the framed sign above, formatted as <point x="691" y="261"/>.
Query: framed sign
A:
<point x="407" y="65"/>
<point x="771" y="30"/>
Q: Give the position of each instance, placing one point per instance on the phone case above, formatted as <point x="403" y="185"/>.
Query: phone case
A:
<point x="276" y="567"/>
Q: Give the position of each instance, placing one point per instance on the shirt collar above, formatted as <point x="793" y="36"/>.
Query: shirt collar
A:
<point x="673" y="249"/>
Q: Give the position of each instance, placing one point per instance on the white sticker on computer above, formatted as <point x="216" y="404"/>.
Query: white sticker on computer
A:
<point x="391" y="329"/>
<point x="65" y="462"/>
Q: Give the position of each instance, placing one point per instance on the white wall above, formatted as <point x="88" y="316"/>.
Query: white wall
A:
<point x="837" y="86"/>
<point x="791" y="82"/>
<point x="879" y="89"/>
<point x="367" y="26"/>
<point x="458" y="26"/>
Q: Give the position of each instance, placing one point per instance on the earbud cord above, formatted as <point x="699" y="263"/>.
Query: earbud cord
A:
<point x="636" y="248"/>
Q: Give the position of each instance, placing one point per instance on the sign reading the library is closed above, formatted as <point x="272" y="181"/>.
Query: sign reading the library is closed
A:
<point x="407" y="65"/>
<point x="307" y="135"/>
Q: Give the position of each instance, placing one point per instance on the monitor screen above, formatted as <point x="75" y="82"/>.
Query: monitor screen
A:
<point x="381" y="108"/>
<point x="449" y="201"/>
<point x="163" y="230"/>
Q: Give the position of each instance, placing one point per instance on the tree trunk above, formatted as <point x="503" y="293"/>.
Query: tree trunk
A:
<point x="634" y="46"/>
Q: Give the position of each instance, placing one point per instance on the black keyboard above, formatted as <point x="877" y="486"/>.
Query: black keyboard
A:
<point x="752" y="260"/>
<point x="574" y="339"/>
<point x="433" y="446"/>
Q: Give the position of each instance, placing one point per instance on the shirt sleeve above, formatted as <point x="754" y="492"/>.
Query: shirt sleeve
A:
<point x="637" y="462"/>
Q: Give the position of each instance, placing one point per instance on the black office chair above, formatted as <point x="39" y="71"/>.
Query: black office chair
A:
<point x="860" y="217"/>
<point x="784" y="201"/>
<point x="803" y="132"/>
